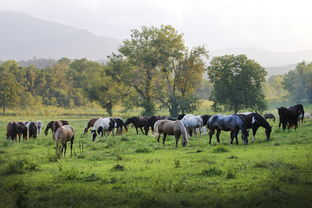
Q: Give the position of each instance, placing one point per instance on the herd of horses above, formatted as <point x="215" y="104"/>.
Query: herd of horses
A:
<point x="184" y="125"/>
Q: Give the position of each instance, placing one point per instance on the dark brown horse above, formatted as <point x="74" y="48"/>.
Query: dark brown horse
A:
<point x="269" y="116"/>
<point x="138" y="122"/>
<point x="50" y="126"/>
<point x="288" y="117"/>
<point x="15" y="129"/>
<point x="62" y="135"/>
<point x="167" y="127"/>
<point x="89" y="124"/>
<point x="151" y="122"/>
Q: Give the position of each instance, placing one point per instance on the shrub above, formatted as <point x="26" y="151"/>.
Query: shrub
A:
<point x="16" y="167"/>
<point x="177" y="163"/>
<point x="142" y="150"/>
<point x="220" y="149"/>
<point x="230" y="175"/>
<point x="212" y="172"/>
<point x="118" y="167"/>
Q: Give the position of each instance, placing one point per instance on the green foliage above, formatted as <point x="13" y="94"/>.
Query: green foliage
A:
<point x="212" y="172"/>
<point x="299" y="83"/>
<point x="220" y="149"/>
<point x="237" y="82"/>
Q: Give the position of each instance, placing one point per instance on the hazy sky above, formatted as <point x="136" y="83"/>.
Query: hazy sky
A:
<point x="266" y="24"/>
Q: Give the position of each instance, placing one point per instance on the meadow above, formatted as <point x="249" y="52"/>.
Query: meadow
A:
<point x="135" y="171"/>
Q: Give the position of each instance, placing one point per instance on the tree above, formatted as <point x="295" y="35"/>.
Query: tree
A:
<point x="153" y="63"/>
<point x="299" y="83"/>
<point x="237" y="82"/>
<point x="9" y="90"/>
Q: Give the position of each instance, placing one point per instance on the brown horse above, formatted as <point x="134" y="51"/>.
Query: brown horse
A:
<point x="89" y="124"/>
<point x="15" y="129"/>
<point x="50" y="126"/>
<point x="167" y="127"/>
<point x="62" y="135"/>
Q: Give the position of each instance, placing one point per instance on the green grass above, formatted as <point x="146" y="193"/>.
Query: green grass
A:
<point x="135" y="171"/>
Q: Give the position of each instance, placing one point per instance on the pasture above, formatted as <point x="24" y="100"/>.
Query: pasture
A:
<point x="135" y="171"/>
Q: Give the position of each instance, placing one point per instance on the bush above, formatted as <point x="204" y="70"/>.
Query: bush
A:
<point x="230" y="175"/>
<point x="212" y="172"/>
<point x="16" y="167"/>
<point x="220" y="149"/>
<point x="118" y="168"/>
<point x="142" y="150"/>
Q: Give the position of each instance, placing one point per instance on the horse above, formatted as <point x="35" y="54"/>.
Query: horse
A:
<point x="119" y="124"/>
<point x="287" y="117"/>
<point x="151" y="122"/>
<point x="300" y="111"/>
<point x="15" y="129"/>
<point x="205" y="121"/>
<point x="168" y="127"/>
<point x="192" y="122"/>
<point x="50" y="126"/>
<point x="63" y="134"/>
<point x="138" y="122"/>
<point x="269" y="116"/>
<point x="254" y="121"/>
<point x="232" y="123"/>
<point x="180" y="116"/>
<point x="31" y="129"/>
<point x="89" y="124"/>
<point x="39" y="126"/>
<point x="101" y="125"/>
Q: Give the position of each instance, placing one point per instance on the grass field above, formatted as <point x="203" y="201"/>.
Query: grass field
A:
<point x="136" y="171"/>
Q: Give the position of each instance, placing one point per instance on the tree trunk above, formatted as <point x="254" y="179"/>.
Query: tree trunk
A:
<point x="3" y="110"/>
<point x="109" y="109"/>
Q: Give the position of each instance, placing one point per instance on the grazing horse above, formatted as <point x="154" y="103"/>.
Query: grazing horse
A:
<point x="151" y="122"/>
<point x="39" y="126"/>
<point x="138" y="122"/>
<point x="232" y="123"/>
<point x="287" y="117"/>
<point x="192" y="122"/>
<point x="269" y="116"/>
<point x="50" y="126"/>
<point x="63" y="134"/>
<point x="15" y="129"/>
<point x="254" y="121"/>
<point x="119" y="124"/>
<point x="101" y="125"/>
<point x="180" y="116"/>
<point x="31" y="129"/>
<point x="89" y="124"/>
<point x="168" y="127"/>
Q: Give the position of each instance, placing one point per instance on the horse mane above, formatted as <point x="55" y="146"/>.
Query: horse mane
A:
<point x="49" y="126"/>
<point x="183" y="131"/>
<point x="259" y="117"/>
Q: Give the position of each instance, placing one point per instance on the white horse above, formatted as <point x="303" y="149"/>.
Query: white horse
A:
<point x="39" y="126"/>
<point x="192" y="122"/>
<point x="101" y="125"/>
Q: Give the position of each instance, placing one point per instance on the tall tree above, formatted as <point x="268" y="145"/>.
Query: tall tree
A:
<point x="10" y="90"/>
<point x="237" y="82"/>
<point x="299" y="83"/>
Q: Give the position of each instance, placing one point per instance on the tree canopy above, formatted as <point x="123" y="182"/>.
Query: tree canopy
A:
<point x="237" y="82"/>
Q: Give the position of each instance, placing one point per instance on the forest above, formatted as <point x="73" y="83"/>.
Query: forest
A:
<point x="153" y="70"/>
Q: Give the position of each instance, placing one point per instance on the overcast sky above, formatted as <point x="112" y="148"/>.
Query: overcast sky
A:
<point x="266" y="24"/>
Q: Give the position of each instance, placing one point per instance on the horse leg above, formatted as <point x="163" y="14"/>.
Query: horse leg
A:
<point x="158" y="138"/>
<point x="164" y="139"/>
<point x="142" y="130"/>
<point x="137" y="130"/>
<point x="232" y="137"/>
<point x="218" y="135"/>
<point x="65" y="147"/>
<point x="71" y="146"/>
<point x="211" y="132"/>
<point x="254" y="131"/>
<point x="177" y="136"/>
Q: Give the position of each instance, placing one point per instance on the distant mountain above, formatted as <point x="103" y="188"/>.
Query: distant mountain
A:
<point x="276" y="62"/>
<point x="23" y="37"/>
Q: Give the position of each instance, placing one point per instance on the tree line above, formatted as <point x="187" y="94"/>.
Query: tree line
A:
<point x="153" y="69"/>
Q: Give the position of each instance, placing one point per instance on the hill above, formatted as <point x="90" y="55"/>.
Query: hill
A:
<point x="25" y="37"/>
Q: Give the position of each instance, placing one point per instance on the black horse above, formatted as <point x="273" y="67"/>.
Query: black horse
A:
<point x="119" y="124"/>
<point x="300" y="111"/>
<point x="151" y="121"/>
<point x="138" y="122"/>
<point x="181" y="116"/>
<point x="288" y="117"/>
<point x="254" y="121"/>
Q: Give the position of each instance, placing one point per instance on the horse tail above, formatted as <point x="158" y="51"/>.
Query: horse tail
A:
<point x="183" y="132"/>
<point x="155" y="132"/>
